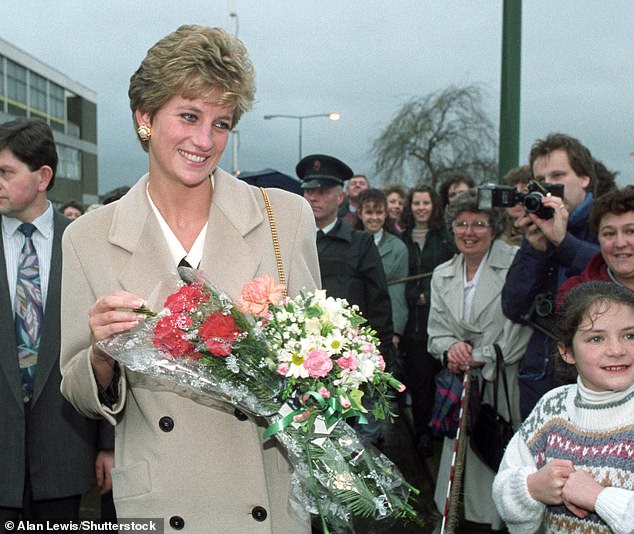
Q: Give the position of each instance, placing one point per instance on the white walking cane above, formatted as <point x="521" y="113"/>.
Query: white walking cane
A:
<point x="450" y="515"/>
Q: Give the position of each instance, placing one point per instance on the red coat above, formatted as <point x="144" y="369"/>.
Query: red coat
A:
<point x="596" y="270"/>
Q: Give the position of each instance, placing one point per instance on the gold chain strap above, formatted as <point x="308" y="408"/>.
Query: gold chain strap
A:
<point x="276" y="241"/>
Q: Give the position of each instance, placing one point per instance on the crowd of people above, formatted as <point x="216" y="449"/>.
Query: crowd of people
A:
<point x="446" y="282"/>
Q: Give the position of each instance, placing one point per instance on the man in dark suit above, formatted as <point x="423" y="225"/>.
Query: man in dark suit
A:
<point x="49" y="452"/>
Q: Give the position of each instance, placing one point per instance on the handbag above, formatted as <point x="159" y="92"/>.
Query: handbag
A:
<point x="491" y="433"/>
<point x="444" y="420"/>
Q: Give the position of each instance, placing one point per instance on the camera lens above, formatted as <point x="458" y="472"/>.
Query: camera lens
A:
<point x="532" y="202"/>
<point x="543" y="305"/>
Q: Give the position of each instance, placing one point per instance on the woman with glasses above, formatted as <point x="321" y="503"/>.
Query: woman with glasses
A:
<point x="465" y="322"/>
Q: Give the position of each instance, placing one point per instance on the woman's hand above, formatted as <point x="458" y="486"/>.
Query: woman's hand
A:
<point x="110" y="315"/>
<point x="113" y="314"/>
<point x="554" y="229"/>
<point x="459" y="356"/>
<point x="547" y="484"/>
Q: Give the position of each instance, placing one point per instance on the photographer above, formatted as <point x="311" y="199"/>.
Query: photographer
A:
<point x="553" y="249"/>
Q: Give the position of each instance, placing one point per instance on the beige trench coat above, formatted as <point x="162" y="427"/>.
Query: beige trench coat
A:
<point x="486" y="327"/>
<point x="179" y="456"/>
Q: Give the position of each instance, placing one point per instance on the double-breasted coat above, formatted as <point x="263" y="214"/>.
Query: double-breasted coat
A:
<point x="178" y="455"/>
<point x="486" y="326"/>
<point x="62" y="443"/>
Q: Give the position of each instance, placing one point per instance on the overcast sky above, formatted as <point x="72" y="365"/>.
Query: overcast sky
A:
<point x="362" y="59"/>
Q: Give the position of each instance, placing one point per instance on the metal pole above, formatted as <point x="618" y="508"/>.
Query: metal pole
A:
<point x="301" y="122"/>
<point x="235" y="142"/>
<point x="510" y="87"/>
<point x="235" y="134"/>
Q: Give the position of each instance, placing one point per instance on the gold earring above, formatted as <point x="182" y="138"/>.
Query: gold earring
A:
<point x="144" y="131"/>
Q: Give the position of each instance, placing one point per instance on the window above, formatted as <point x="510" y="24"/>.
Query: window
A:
<point x="16" y="88"/>
<point x="69" y="164"/>
<point x="37" y="90"/>
<point x="56" y="106"/>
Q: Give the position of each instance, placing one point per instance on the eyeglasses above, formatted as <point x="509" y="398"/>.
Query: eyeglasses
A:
<point x="477" y="226"/>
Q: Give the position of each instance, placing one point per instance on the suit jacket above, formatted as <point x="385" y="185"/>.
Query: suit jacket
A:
<point x="62" y="443"/>
<point x="178" y="455"/>
<point x="394" y="256"/>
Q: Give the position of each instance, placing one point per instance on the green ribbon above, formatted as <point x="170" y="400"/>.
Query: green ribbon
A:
<point x="330" y="409"/>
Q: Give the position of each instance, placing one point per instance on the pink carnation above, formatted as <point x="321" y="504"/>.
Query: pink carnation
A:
<point x="282" y="369"/>
<point x="258" y="294"/>
<point x="345" y="402"/>
<point x="348" y="361"/>
<point x="324" y="392"/>
<point x="318" y="363"/>
<point x="381" y="362"/>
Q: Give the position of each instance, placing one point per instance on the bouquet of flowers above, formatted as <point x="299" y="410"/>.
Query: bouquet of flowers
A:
<point x="304" y="364"/>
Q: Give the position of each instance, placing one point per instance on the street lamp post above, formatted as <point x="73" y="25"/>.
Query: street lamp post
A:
<point x="300" y="119"/>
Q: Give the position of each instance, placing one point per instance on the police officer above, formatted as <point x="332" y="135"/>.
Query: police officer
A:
<point x="349" y="261"/>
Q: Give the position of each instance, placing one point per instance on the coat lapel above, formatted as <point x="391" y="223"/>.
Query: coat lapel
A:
<point x="150" y="271"/>
<point x="453" y="292"/>
<point x="489" y="285"/>
<point x="229" y="259"/>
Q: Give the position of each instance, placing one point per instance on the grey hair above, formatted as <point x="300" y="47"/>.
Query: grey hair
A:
<point x="468" y="201"/>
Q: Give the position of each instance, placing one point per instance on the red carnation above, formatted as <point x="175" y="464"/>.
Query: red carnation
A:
<point x="218" y="332"/>
<point x="169" y="335"/>
<point x="186" y="299"/>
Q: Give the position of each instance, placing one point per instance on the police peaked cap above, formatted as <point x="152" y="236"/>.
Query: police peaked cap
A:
<point x="318" y="171"/>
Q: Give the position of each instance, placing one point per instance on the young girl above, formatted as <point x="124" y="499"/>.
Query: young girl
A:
<point x="570" y="467"/>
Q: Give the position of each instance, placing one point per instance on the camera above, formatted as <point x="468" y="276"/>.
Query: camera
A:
<point x="541" y="314"/>
<point x="506" y="196"/>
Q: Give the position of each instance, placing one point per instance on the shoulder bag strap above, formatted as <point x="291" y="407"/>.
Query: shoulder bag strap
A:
<point x="501" y="368"/>
<point x="276" y="241"/>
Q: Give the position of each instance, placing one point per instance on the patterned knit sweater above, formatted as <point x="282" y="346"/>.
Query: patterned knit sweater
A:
<point x="594" y="430"/>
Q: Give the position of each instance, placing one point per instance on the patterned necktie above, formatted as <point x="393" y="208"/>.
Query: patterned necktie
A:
<point x="28" y="311"/>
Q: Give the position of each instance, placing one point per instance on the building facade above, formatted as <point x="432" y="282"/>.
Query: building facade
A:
<point x="30" y="88"/>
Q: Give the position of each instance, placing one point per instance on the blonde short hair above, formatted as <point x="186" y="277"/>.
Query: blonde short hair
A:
<point x="194" y="62"/>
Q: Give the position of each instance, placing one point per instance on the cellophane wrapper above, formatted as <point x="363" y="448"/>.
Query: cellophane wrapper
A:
<point x="254" y="391"/>
<point x="330" y="471"/>
<point x="335" y="475"/>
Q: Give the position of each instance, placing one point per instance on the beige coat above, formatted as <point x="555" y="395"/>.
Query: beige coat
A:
<point x="178" y="456"/>
<point x="486" y="327"/>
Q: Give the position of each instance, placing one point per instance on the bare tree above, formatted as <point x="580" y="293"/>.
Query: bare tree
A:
<point x="434" y="136"/>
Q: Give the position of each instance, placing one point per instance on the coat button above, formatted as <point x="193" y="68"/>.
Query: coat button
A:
<point x="240" y="415"/>
<point x="166" y="424"/>
<point x="259" y="513"/>
<point x="177" y="522"/>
